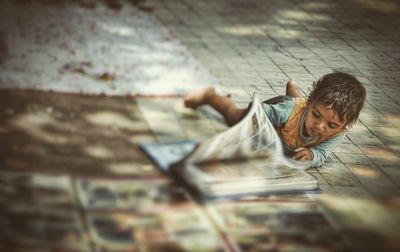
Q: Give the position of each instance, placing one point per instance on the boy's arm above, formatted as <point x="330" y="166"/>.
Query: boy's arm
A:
<point x="322" y="150"/>
<point x="279" y="113"/>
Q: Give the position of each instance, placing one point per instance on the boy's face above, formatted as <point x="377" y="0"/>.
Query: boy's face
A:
<point x="322" y="121"/>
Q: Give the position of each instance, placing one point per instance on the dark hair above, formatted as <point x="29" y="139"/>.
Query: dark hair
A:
<point x="340" y="91"/>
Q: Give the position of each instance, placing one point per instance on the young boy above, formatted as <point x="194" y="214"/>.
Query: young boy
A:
<point x="309" y="128"/>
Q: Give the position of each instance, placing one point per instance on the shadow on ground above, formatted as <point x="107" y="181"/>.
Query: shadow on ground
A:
<point x="74" y="134"/>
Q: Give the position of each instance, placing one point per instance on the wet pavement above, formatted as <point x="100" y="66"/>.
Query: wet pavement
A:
<point x="71" y="171"/>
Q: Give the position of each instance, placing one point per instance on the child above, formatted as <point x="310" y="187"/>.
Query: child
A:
<point x="310" y="128"/>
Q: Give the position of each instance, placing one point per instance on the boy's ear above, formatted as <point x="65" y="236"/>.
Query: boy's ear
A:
<point x="346" y="126"/>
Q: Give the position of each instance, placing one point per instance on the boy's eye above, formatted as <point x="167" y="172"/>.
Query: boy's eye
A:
<point x="315" y="114"/>
<point x="332" y="126"/>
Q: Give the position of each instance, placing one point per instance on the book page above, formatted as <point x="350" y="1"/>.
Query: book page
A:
<point x="242" y="170"/>
<point x="251" y="137"/>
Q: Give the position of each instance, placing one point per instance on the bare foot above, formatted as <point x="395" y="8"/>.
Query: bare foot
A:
<point x="292" y="89"/>
<point x="198" y="97"/>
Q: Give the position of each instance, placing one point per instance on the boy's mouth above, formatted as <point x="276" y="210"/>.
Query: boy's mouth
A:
<point x="313" y="132"/>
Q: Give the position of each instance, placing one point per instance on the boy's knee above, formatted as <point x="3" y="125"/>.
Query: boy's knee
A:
<point x="234" y="115"/>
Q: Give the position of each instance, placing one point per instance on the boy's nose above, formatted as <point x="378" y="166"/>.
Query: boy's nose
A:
<point x="321" y="126"/>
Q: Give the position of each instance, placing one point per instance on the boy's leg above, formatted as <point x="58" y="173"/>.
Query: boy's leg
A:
<point x="292" y="89"/>
<point x="223" y="104"/>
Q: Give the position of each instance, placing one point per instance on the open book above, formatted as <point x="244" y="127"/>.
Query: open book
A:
<point x="246" y="159"/>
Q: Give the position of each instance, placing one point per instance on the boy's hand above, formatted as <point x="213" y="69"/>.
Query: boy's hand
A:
<point x="303" y="154"/>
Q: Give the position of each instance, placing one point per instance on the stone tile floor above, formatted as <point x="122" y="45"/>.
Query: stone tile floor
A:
<point x="256" y="46"/>
<point x="72" y="44"/>
<point x="51" y="142"/>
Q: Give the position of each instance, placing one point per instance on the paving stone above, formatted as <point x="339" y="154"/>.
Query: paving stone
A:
<point x="332" y="158"/>
<point x="328" y="190"/>
<point x="359" y="127"/>
<point x="352" y="191"/>
<point x="372" y="177"/>
<point x="347" y="148"/>
<point x="375" y="120"/>
<point x="340" y="179"/>
<point x="390" y="140"/>
<point x="364" y="139"/>
<point x="161" y="120"/>
<point x="392" y="172"/>
<point x="346" y="140"/>
<point x="395" y="149"/>
<point x="353" y="158"/>
<point x="321" y="180"/>
<point x="395" y="119"/>
<point x="333" y="168"/>
<point x="384" y="131"/>
<point x="381" y="155"/>
<point x="385" y="193"/>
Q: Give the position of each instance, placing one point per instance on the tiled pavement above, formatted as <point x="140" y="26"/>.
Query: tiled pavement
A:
<point x="249" y="46"/>
<point x="256" y="46"/>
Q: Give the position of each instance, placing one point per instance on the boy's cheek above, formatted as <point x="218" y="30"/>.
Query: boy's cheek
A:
<point x="306" y="126"/>
<point x="335" y="131"/>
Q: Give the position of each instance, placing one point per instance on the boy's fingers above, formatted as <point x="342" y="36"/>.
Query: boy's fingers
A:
<point x="299" y="149"/>
<point x="302" y="155"/>
<point x="299" y="155"/>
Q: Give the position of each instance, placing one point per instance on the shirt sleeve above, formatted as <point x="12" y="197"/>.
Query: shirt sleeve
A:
<point x="323" y="149"/>
<point x="279" y="113"/>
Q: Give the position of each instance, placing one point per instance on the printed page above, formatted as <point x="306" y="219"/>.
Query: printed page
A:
<point x="184" y="228"/>
<point x="276" y="226"/>
<point x="136" y="195"/>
